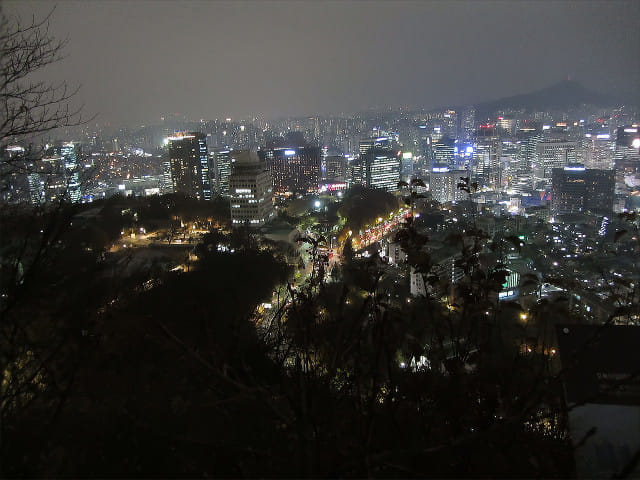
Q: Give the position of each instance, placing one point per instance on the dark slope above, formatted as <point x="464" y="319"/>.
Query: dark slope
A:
<point x="563" y="95"/>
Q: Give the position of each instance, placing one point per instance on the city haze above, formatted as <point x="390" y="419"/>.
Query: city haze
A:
<point x="139" y="61"/>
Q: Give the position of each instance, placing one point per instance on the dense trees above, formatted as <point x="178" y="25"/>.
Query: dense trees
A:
<point x="362" y="206"/>
<point x="114" y="370"/>
<point x="120" y="371"/>
<point x="417" y="389"/>
<point x="107" y="367"/>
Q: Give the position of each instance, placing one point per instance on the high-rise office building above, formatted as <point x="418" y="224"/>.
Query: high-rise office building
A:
<point x="450" y="123"/>
<point x="425" y="160"/>
<point x="379" y="168"/>
<point x="468" y="124"/>
<point x="527" y="138"/>
<point x="71" y="170"/>
<point x="250" y="190"/>
<point x="599" y="150"/>
<point x="55" y="176"/>
<point x="375" y="142"/>
<point x="627" y="160"/>
<point x="189" y="161"/>
<point x="628" y="136"/>
<point x="293" y="169"/>
<point x="485" y="165"/>
<point x="335" y="168"/>
<point x="406" y="167"/>
<point x="220" y="162"/>
<point x="576" y="189"/>
<point x="509" y="149"/>
<point x="551" y="153"/>
<point x="443" y="184"/>
<point x="506" y="124"/>
<point x="444" y="152"/>
<point x="166" y="183"/>
<point x="436" y="133"/>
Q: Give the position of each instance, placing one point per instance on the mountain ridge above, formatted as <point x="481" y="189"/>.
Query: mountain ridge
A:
<point x="562" y="95"/>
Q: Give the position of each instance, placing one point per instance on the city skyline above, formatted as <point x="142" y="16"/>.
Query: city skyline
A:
<point x="357" y="239"/>
<point x="139" y="61"/>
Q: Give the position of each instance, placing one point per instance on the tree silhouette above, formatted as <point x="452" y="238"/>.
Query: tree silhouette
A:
<point x="31" y="107"/>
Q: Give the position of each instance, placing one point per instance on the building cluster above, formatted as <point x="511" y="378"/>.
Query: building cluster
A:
<point x="568" y="161"/>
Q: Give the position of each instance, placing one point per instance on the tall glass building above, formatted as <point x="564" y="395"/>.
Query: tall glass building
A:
<point x="189" y="161"/>
<point x="379" y="168"/>
<point x="221" y="161"/>
<point x="68" y="152"/>
<point x="56" y="176"/>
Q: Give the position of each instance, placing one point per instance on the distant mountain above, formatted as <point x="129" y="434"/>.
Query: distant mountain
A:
<point x="563" y="95"/>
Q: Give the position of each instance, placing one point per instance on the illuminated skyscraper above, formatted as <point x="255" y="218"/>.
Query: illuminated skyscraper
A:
<point x="375" y="142"/>
<point x="468" y="124"/>
<point x="506" y="124"/>
<point x="550" y="154"/>
<point x="485" y="167"/>
<point x="335" y="168"/>
<point x="443" y="184"/>
<point x="380" y="168"/>
<point x="444" y="152"/>
<point x="577" y="189"/>
<point x="450" y="123"/>
<point x="221" y="160"/>
<point x="56" y="176"/>
<point x="167" y="183"/>
<point x="68" y="152"/>
<point x="406" y="167"/>
<point x="190" y="165"/>
<point x="250" y="189"/>
<point x="527" y="139"/>
<point x="599" y="150"/>
<point x="627" y="159"/>
<point x="293" y="169"/>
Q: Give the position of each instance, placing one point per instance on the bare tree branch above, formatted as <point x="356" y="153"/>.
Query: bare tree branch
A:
<point x="30" y="107"/>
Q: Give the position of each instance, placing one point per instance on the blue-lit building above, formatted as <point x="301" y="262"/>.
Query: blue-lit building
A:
<point x="56" y="176"/>
<point x="70" y="160"/>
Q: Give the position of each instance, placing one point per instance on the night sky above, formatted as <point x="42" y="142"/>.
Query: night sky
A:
<point x="137" y="61"/>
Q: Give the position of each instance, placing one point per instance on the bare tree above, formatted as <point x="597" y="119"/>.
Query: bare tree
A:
<point x="31" y="106"/>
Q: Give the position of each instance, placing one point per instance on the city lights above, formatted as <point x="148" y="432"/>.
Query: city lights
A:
<point x="296" y="242"/>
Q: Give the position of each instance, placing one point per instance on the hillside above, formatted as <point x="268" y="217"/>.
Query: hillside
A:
<point x="563" y="95"/>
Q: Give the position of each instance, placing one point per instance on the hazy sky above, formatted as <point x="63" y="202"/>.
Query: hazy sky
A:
<point x="138" y="60"/>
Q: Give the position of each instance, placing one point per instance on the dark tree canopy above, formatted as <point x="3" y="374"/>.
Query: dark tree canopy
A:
<point x="362" y="206"/>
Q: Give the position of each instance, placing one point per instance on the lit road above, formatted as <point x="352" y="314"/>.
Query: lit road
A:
<point x="382" y="229"/>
